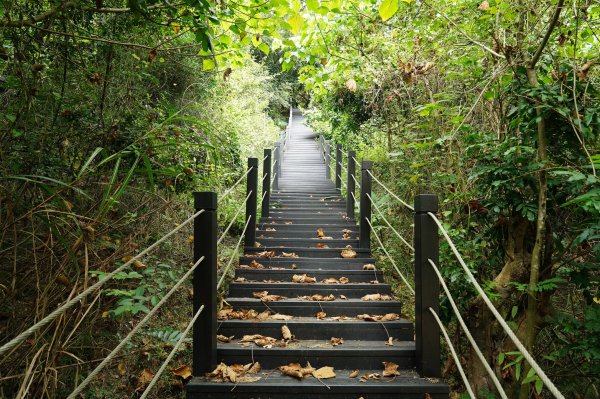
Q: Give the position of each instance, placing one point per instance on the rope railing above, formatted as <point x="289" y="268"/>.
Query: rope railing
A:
<point x="404" y="279"/>
<point x="454" y="355"/>
<point x="239" y="210"/>
<point x="389" y="224"/>
<point x="19" y="339"/>
<point x="526" y="355"/>
<point x="128" y="337"/>
<point x="235" y="251"/>
<point x="356" y="182"/>
<point x="171" y="354"/>
<point x="273" y="178"/>
<point x="468" y="333"/>
<point x="230" y="190"/>
<point x="390" y="192"/>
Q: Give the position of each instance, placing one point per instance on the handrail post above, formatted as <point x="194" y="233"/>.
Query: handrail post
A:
<point x="251" y="189"/>
<point x="351" y="187"/>
<point x="277" y="163"/>
<point x="365" y="205"/>
<point x="204" y="357"/>
<point x="322" y="141"/>
<point x="327" y="160"/>
<point x="338" y="167"/>
<point x="266" y="186"/>
<point x="427" y="287"/>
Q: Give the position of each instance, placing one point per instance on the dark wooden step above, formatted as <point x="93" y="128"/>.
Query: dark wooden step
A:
<point x="336" y="234"/>
<point x="350" y="290"/>
<point x="354" y="276"/>
<point x="308" y="252"/>
<point x="311" y="263"/>
<point x="305" y="242"/>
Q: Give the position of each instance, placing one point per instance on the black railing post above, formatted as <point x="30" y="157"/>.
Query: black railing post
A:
<point x="365" y="205"/>
<point x="266" y="186"/>
<point x="277" y="164"/>
<point x="351" y="187"/>
<point x="204" y="282"/>
<point x="251" y="189"/>
<point x="427" y="287"/>
<point x="338" y="167"/>
<point x="327" y="160"/>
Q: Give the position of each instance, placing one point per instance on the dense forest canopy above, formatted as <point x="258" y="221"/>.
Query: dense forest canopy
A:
<point x="113" y="112"/>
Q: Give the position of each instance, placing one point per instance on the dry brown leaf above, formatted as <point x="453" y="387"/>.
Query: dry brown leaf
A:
<point x="369" y="266"/>
<point x="241" y="280"/>
<point x="184" y="371"/>
<point x="346" y="231"/>
<point x="345" y="236"/>
<point x="294" y="266"/>
<point x="351" y="85"/>
<point x="264" y="254"/>
<point x="330" y="280"/>
<point x="144" y="379"/>
<point x="324" y="373"/>
<point x="260" y="294"/>
<point x="322" y="246"/>
<point x="373" y="376"/>
<point x="374" y="281"/>
<point x="288" y="255"/>
<point x="224" y="339"/>
<point x="264" y="315"/>
<point x="270" y="229"/>
<point x="318" y="297"/>
<point x="390" y="341"/>
<point x="255" y="265"/>
<point x="272" y="298"/>
<point x="391" y="369"/>
<point x="252" y="367"/>
<point x="296" y="370"/>
<point x="321" y="315"/>
<point x="343" y="297"/>
<point x="320" y="232"/>
<point x="483" y="6"/>
<point x="286" y="333"/>
<point x="137" y="264"/>
<point x="260" y="340"/>
<point x="278" y="316"/>
<point x="288" y="222"/>
<point x="344" y="280"/>
<point x="338" y="318"/>
<point x="335" y="341"/>
<point x="303" y="278"/>
<point x="353" y="374"/>
<point x="377" y="297"/>
<point x="348" y="254"/>
<point x="121" y="368"/>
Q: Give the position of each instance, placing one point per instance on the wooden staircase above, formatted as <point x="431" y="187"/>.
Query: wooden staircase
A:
<point x="305" y="202"/>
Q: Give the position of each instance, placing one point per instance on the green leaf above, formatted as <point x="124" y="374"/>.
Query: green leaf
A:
<point x="513" y="311"/>
<point x="539" y="385"/>
<point x="296" y="22"/>
<point x="208" y="64"/>
<point x="387" y="9"/>
<point x="501" y="357"/>
<point x="264" y="48"/>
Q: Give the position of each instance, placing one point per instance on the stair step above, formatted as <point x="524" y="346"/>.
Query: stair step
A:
<point x="274" y="385"/>
<point x="300" y="289"/>
<point x="311" y="263"/>
<point x="313" y="328"/>
<point x="326" y="226"/>
<point x="351" y="354"/>
<point x="335" y="234"/>
<point x="313" y="219"/>
<point x="308" y="252"/>
<point x="355" y="276"/>
<point x="305" y="242"/>
<point x="339" y="307"/>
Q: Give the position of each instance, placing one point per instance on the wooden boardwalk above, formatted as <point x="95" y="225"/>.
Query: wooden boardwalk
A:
<point x="333" y="305"/>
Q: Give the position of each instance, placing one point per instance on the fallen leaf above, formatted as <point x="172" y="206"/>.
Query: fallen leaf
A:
<point x="374" y="281"/>
<point x="318" y="297"/>
<point x="270" y="229"/>
<point x="190" y="240"/>
<point x="335" y="341"/>
<point x="386" y="317"/>
<point x="345" y="236"/>
<point x="303" y="278"/>
<point x="353" y="374"/>
<point x="184" y="371"/>
<point x="391" y="369"/>
<point x="260" y="340"/>
<point x="252" y="367"/>
<point x="295" y="370"/>
<point x="320" y="232"/>
<point x="346" y="231"/>
<point x="369" y="266"/>
<point x="322" y="245"/>
<point x="63" y="280"/>
<point x="344" y="280"/>
<point x="289" y="255"/>
<point x="288" y="222"/>
<point x="483" y="6"/>
<point x="390" y="341"/>
<point x="373" y="376"/>
<point x="337" y="318"/>
<point x="264" y="254"/>
<point x="278" y="316"/>
<point x="343" y="297"/>
<point x="137" y="264"/>
<point x="321" y="315"/>
<point x="264" y="315"/>
<point x="255" y="265"/>
<point x="224" y="339"/>
<point x="241" y="280"/>
<point x="351" y="85"/>
<point x="324" y="373"/>
<point x="144" y="379"/>
<point x="260" y="294"/>
<point x="272" y="298"/>
<point x="348" y="254"/>
<point x="377" y="297"/>
<point x="330" y="280"/>
<point x="286" y="333"/>
<point x="121" y="368"/>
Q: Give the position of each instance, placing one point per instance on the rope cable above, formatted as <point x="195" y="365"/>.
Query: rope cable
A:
<point x="390" y="192"/>
<point x="468" y="333"/>
<point x="547" y="382"/>
<point x="19" y="339"/>
<point x="356" y="181"/>
<point x="226" y="193"/>
<point x="389" y="224"/>
<point x="410" y="288"/>
<point x="226" y="269"/>
<point x="135" y="329"/>
<point x="454" y="355"/>
<point x="171" y="354"/>
<point x="234" y="218"/>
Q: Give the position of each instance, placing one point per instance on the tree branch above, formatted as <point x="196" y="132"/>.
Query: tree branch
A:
<point x="551" y="26"/>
